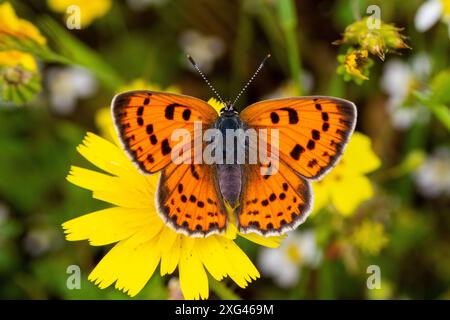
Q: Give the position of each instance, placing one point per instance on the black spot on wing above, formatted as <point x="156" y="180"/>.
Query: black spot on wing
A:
<point x="186" y="114"/>
<point x="274" y="117"/>
<point x="153" y="139"/>
<point x="292" y="114"/>
<point x="297" y="151"/>
<point x="170" y="111"/>
<point x="165" y="147"/>
<point x="311" y="145"/>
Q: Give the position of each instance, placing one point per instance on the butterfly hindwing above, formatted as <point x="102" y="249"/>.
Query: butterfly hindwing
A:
<point x="145" y="121"/>
<point x="273" y="204"/>
<point x="188" y="200"/>
<point x="313" y="131"/>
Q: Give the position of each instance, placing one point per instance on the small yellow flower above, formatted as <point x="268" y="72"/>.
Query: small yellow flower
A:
<point x="369" y="237"/>
<point x="143" y="240"/>
<point x="89" y="9"/>
<point x="355" y="64"/>
<point x="11" y="25"/>
<point x="18" y="58"/>
<point x="346" y="186"/>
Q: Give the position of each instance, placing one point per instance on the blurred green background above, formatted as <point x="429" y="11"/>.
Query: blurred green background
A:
<point x="402" y="226"/>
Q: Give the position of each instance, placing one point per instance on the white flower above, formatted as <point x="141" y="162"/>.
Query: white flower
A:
<point x="284" y="263"/>
<point x="204" y="49"/>
<point x="66" y="85"/>
<point x="430" y="12"/>
<point x="38" y="241"/>
<point x="433" y="177"/>
<point x="398" y="81"/>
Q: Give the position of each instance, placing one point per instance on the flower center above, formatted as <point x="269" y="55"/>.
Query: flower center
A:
<point x="293" y="254"/>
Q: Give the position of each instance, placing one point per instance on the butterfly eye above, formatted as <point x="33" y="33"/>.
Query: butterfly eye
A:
<point x="222" y="110"/>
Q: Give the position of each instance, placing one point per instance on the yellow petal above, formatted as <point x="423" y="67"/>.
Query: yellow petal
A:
<point x="130" y="266"/>
<point x="350" y="193"/>
<point x="242" y="269"/>
<point x="209" y="252"/>
<point x="113" y="189"/>
<point x="106" y="156"/>
<point x="17" y="58"/>
<point x="359" y="156"/>
<point x="11" y="24"/>
<point x="193" y="278"/>
<point x="270" y="242"/>
<point x="105" y="123"/>
<point x="215" y="104"/>
<point x="89" y="10"/>
<point x="170" y="244"/>
<point x="322" y="192"/>
<point x="111" y="225"/>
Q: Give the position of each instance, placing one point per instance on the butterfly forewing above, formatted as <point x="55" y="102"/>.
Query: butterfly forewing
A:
<point x="313" y="131"/>
<point x="145" y="121"/>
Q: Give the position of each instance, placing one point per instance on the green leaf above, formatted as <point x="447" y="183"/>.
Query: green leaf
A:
<point x="440" y="87"/>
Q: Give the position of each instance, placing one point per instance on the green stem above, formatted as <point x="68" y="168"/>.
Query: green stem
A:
<point x="222" y="291"/>
<point x="288" y="20"/>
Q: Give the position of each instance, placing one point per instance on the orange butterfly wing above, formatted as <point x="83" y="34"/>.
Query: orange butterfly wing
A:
<point x="187" y="196"/>
<point x="273" y="204"/>
<point x="188" y="200"/>
<point x="313" y="131"/>
<point x="145" y="121"/>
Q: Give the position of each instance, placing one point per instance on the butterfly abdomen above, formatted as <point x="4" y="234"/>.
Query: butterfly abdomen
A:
<point x="230" y="182"/>
<point x="230" y="173"/>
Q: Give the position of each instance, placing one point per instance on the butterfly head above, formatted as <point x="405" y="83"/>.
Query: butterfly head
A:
<point x="228" y="109"/>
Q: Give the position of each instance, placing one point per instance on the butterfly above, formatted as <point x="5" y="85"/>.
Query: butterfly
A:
<point x="193" y="198"/>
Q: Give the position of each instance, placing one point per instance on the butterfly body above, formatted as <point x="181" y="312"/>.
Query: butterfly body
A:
<point x="307" y="135"/>
<point x="229" y="173"/>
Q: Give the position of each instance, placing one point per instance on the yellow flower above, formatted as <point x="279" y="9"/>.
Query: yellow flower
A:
<point x="355" y="62"/>
<point x="143" y="240"/>
<point x="346" y="186"/>
<point x="89" y="9"/>
<point x="12" y="25"/>
<point x="369" y="237"/>
<point x="446" y="9"/>
<point x="18" y="58"/>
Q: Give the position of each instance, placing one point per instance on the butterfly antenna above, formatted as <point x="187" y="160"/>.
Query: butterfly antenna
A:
<point x="191" y="60"/>
<point x="251" y="79"/>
